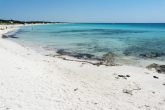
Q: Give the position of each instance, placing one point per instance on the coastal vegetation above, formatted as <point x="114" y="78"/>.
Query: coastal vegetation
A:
<point x="2" y="21"/>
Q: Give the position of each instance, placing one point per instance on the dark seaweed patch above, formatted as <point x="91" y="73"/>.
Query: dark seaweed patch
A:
<point x="143" y="52"/>
<point x="77" y="55"/>
<point x="100" y="31"/>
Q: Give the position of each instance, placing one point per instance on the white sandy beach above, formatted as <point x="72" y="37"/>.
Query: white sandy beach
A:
<point x="31" y="81"/>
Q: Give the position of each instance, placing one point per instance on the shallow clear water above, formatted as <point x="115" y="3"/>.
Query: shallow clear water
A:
<point x="98" y="38"/>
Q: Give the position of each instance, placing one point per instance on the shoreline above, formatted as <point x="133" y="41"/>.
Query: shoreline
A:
<point x="33" y="81"/>
<point x="141" y="60"/>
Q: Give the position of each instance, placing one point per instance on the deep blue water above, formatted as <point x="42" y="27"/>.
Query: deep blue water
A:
<point x="99" y="38"/>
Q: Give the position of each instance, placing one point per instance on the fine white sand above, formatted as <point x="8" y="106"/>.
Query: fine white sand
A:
<point x="31" y="81"/>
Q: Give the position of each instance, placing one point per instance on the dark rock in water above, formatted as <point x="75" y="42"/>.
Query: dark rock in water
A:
<point x="4" y="36"/>
<point x="108" y="59"/>
<point x="158" y="68"/>
<point x="152" y="55"/>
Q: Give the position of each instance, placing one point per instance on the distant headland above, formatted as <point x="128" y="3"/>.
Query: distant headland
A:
<point x="2" y="21"/>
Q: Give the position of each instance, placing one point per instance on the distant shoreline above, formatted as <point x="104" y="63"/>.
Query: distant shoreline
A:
<point x="9" y="22"/>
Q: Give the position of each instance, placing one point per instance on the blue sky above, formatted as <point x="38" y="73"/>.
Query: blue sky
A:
<point x="84" y="10"/>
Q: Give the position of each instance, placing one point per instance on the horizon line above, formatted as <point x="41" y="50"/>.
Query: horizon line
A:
<point x="80" y="22"/>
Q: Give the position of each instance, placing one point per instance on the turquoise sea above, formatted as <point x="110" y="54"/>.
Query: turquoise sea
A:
<point x="138" y="40"/>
